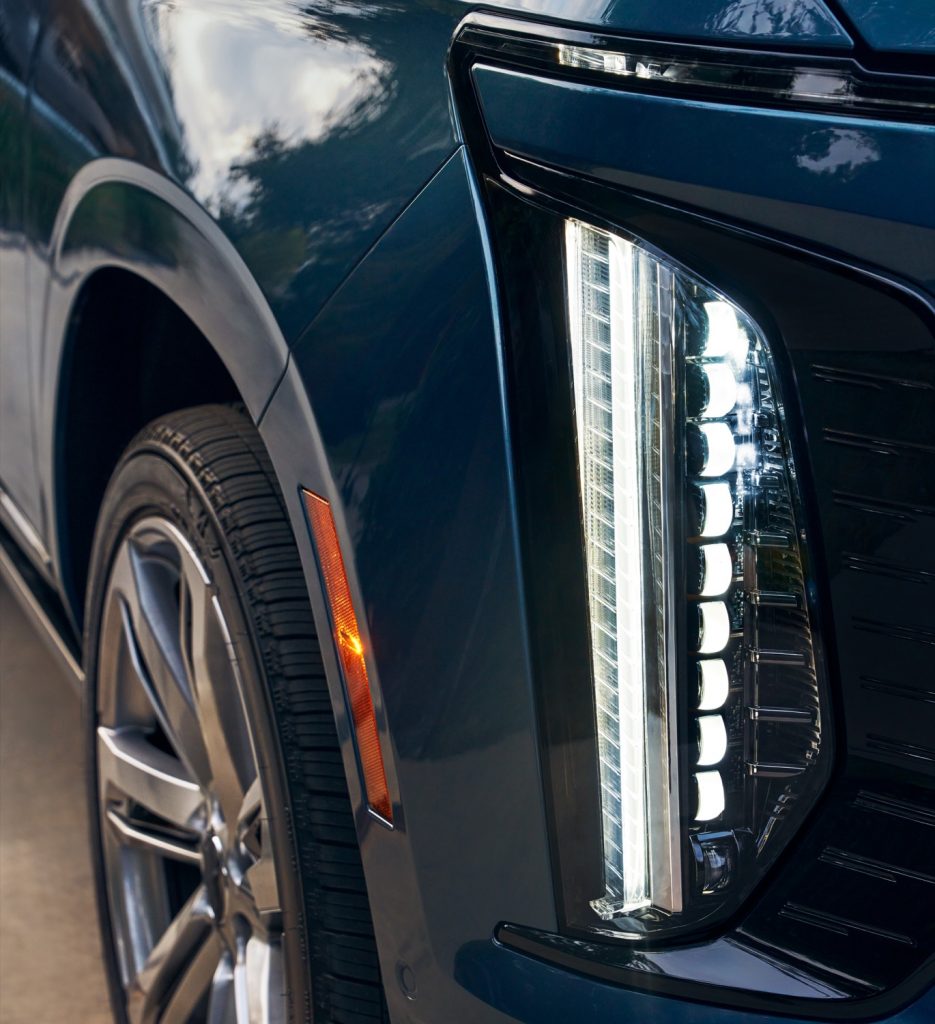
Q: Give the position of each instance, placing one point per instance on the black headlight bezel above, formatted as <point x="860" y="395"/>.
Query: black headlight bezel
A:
<point x="527" y="224"/>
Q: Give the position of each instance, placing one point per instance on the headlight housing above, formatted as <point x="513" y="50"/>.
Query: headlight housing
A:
<point x="828" y="911"/>
<point x="709" y="712"/>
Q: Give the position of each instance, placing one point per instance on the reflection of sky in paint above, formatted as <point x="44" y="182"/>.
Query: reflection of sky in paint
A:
<point x="260" y="70"/>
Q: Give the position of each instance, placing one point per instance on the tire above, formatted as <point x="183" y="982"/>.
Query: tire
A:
<point x="205" y="674"/>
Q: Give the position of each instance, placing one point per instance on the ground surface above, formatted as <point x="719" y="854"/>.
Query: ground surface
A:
<point x="50" y="959"/>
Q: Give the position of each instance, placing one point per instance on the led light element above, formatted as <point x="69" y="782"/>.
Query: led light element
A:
<point x="713" y="684"/>
<point x="722" y="329"/>
<point x="719" y="449"/>
<point x="714" y="627"/>
<point x="718" y="569"/>
<point x="718" y="509"/>
<point x="617" y="373"/>
<point x="712" y="740"/>
<point x="725" y="335"/>
<point x="709" y="790"/>
<point x="721" y="388"/>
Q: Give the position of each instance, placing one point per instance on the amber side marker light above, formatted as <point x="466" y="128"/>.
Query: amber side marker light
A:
<point x="351" y="652"/>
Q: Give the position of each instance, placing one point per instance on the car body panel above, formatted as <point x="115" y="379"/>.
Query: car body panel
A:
<point x="530" y="991"/>
<point x="838" y="183"/>
<point x="18" y="30"/>
<point x="897" y="26"/>
<point x="805" y="23"/>
<point x="118" y="214"/>
<point x="194" y="92"/>
<point x="113" y="81"/>
<point x="198" y="92"/>
<point x="434" y="565"/>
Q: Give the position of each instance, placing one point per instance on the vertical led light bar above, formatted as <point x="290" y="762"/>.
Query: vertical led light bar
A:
<point x="698" y="608"/>
<point x="621" y="341"/>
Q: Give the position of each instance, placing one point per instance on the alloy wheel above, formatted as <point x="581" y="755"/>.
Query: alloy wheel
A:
<point x="188" y="863"/>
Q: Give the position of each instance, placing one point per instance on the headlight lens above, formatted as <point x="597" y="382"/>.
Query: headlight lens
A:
<point x="706" y="690"/>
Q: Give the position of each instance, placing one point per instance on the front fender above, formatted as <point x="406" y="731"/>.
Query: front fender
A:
<point x="118" y="214"/>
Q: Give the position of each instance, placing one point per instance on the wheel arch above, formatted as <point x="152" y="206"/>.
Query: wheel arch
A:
<point x="148" y="308"/>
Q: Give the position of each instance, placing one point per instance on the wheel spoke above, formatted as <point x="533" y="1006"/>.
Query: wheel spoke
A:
<point x="251" y="807"/>
<point x="133" y="834"/>
<point x="197" y="978"/>
<point x="213" y="668"/>
<point x="241" y="990"/>
<point x="253" y="835"/>
<point x="264" y="982"/>
<point x="184" y="958"/>
<point x="151" y="778"/>
<point x="151" y="632"/>
<point x="221" y="1003"/>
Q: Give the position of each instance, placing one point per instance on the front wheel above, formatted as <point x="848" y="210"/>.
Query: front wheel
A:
<point x="229" y="878"/>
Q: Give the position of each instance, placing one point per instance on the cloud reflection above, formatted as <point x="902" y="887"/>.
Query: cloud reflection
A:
<point x="279" y="110"/>
<point x="273" y="71"/>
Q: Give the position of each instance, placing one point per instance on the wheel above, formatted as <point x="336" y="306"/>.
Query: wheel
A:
<point x="228" y="874"/>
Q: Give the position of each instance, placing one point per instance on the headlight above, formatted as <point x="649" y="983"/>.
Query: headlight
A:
<point x="708" y="712"/>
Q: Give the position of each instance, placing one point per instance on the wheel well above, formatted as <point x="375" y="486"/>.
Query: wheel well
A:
<point x="131" y="355"/>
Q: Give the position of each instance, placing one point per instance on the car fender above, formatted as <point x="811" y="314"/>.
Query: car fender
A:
<point x="118" y="214"/>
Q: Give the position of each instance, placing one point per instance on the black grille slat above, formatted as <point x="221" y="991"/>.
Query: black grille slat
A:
<point x="901" y="748"/>
<point x="843" y="926"/>
<point x="891" y="689"/>
<point x="858" y="897"/>
<point x="863" y="888"/>
<point x="870" y="866"/>
<point x="887" y="567"/>
<point x="872" y="415"/>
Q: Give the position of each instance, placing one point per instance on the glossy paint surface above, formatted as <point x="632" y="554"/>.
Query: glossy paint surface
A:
<point x="530" y="991"/>
<point x="194" y="96"/>
<point x="786" y="22"/>
<point x="406" y="395"/>
<point x="301" y="129"/>
<point x="264" y="112"/>
<point x="897" y="25"/>
<point x="853" y="185"/>
<point x="17" y="457"/>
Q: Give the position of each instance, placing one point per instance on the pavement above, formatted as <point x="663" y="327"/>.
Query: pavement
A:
<point x="50" y="954"/>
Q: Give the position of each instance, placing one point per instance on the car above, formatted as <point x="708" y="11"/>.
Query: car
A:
<point x="477" y="464"/>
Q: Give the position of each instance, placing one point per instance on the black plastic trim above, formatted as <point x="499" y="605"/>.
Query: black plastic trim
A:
<point x="717" y="73"/>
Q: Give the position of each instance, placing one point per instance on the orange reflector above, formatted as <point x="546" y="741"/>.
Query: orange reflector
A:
<point x="351" y="652"/>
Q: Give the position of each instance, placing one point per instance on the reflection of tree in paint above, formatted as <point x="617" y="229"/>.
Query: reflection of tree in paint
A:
<point x="270" y="208"/>
<point x="779" y="18"/>
<point x="840" y="152"/>
<point x="282" y="110"/>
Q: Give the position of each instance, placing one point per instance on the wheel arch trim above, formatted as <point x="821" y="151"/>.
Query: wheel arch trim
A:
<point x="117" y="214"/>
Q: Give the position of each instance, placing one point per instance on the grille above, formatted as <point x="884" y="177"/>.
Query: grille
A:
<point x="857" y="901"/>
<point x="875" y="470"/>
